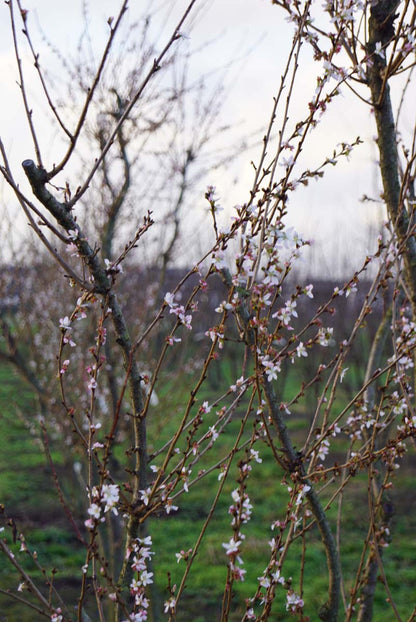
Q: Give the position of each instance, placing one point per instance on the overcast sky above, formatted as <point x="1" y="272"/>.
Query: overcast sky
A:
<point x="257" y="35"/>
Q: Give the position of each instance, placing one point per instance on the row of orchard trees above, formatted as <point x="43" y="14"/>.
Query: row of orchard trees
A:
<point x="101" y="347"/>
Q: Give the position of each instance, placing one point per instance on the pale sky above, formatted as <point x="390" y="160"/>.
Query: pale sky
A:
<point x="256" y="33"/>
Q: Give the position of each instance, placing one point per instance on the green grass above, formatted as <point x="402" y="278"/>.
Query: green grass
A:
<point x="27" y="491"/>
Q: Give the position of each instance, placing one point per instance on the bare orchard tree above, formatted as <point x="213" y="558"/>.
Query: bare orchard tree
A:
<point x="144" y="446"/>
<point x="166" y="139"/>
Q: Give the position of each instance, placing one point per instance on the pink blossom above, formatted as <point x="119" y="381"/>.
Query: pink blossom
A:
<point x="232" y="547"/>
<point x="92" y="385"/>
<point x="169" y="605"/>
<point x="65" y="323"/>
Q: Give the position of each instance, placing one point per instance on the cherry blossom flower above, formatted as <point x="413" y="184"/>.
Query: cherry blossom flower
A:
<point x="110" y="493"/>
<point x="324" y="336"/>
<point x="145" y="578"/>
<point x="184" y="475"/>
<point x="218" y="259"/>
<point x="171" y="340"/>
<point x="169" y="605"/>
<point x="239" y="383"/>
<point x="213" y="432"/>
<point x="223" y="307"/>
<point x="216" y="333"/>
<point x="323" y="449"/>
<point x="169" y="299"/>
<point x="94" y="510"/>
<point x="64" y="367"/>
<point x="351" y="289"/>
<point x="287" y="312"/>
<point x="140" y="616"/>
<point x="255" y="455"/>
<point x="209" y="195"/>
<point x="301" y="350"/>
<point x="379" y="50"/>
<point x="232" y="547"/>
<point x="145" y="495"/>
<point x="302" y="492"/>
<point x="238" y="573"/>
<point x="183" y="555"/>
<point x="92" y="385"/>
<point x="65" y="323"/>
<point x="308" y="291"/>
<point x="169" y="507"/>
<point x="272" y="367"/>
<point x="293" y="601"/>
<point x="287" y="162"/>
<point x="264" y="581"/>
<point x="276" y="577"/>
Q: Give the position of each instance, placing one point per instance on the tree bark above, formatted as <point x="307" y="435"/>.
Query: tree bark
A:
<point x="293" y="463"/>
<point x="382" y="31"/>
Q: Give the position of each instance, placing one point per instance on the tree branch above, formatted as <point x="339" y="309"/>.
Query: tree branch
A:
<point x="381" y="30"/>
<point x="102" y="285"/>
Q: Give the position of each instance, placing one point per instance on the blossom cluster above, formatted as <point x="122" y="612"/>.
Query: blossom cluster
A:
<point x="212" y="199"/>
<point x="179" y="310"/>
<point x="272" y="575"/>
<point x="139" y="554"/>
<point x="240" y="510"/>
<point x="145" y="496"/>
<point x="65" y="323"/>
<point x="103" y="499"/>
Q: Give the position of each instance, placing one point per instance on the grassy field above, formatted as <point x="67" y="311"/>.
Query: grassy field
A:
<point x="28" y="494"/>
